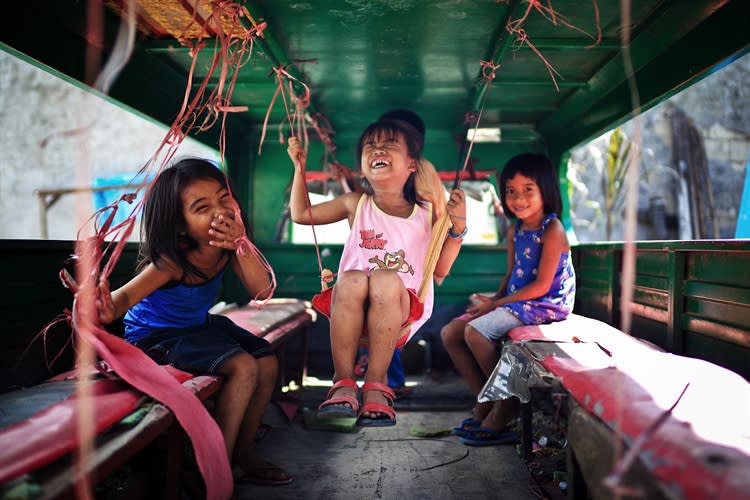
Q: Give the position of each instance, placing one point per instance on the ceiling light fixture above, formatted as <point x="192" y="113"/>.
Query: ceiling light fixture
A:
<point x="489" y="134"/>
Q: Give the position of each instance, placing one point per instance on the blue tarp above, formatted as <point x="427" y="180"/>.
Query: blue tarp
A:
<point x="743" y="217"/>
<point x="106" y="198"/>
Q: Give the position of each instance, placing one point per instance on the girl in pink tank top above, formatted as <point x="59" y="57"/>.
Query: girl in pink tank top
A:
<point x="375" y="295"/>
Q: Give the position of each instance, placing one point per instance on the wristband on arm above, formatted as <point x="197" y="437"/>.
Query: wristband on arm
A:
<point x="457" y="236"/>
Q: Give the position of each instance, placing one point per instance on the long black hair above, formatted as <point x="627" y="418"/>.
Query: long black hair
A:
<point x="391" y="129"/>
<point x="538" y="167"/>
<point x="163" y="226"/>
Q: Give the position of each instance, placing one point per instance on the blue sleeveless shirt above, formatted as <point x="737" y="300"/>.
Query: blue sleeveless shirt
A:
<point x="557" y="303"/>
<point x="171" y="306"/>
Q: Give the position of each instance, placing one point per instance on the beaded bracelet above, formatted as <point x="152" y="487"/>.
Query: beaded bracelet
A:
<point x="457" y="236"/>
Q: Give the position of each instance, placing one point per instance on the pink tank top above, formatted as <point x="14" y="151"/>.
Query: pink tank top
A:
<point x="378" y="240"/>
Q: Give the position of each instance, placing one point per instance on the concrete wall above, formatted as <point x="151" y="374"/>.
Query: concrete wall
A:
<point x="55" y="135"/>
<point x="719" y="106"/>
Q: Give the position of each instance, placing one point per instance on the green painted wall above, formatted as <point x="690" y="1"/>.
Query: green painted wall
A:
<point x="691" y="298"/>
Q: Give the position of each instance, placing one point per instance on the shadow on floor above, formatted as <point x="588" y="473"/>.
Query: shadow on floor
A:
<point x="388" y="462"/>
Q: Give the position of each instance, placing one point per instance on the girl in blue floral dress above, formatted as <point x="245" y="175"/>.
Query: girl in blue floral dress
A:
<point x="538" y="288"/>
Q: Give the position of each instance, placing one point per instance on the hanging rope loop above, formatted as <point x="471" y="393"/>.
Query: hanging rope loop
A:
<point x="488" y="69"/>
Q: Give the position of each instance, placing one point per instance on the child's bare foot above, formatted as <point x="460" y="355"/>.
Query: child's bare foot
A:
<point x="262" y="472"/>
<point x="374" y="398"/>
<point x="503" y="413"/>
<point x="481" y="410"/>
<point x="377" y="405"/>
<point x="493" y="429"/>
<point x="478" y="415"/>
<point x="342" y="400"/>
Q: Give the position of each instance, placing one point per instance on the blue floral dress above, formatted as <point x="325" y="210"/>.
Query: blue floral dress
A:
<point x="558" y="302"/>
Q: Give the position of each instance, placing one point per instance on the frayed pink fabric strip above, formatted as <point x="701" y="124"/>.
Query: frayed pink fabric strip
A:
<point x="140" y="371"/>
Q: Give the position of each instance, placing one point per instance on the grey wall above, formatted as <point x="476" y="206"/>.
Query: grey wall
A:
<point x="55" y="135"/>
<point x="719" y="106"/>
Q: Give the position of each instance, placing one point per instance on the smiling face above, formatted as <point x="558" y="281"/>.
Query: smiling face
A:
<point x="202" y="201"/>
<point x="385" y="160"/>
<point x="524" y="198"/>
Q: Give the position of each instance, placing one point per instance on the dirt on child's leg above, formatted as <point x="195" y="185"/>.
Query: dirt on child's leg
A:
<point x="347" y="321"/>
<point x="388" y="309"/>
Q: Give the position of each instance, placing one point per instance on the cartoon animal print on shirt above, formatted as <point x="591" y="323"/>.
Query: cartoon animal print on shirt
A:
<point x="393" y="262"/>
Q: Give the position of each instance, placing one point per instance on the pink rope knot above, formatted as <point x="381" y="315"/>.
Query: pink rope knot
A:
<point x="303" y="101"/>
<point x="195" y="48"/>
<point x="243" y="245"/>
<point x="535" y="4"/>
<point x="488" y="69"/>
<point x="521" y="36"/>
<point x="260" y="27"/>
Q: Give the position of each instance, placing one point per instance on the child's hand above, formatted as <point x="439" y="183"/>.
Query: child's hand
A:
<point x="104" y="303"/>
<point x="457" y="209"/>
<point x="226" y="231"/>
<point x="482" y="305"/>
<point x="296" y="153"/>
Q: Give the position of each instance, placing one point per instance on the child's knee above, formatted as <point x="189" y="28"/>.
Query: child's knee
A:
<point x="240" y="366"/>
<point x="385" y="286"/>
<point x="452" y="333"/>
<point x="351" y="285"/>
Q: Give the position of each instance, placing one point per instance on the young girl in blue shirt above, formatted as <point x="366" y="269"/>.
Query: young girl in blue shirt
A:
<point x="193" y="230"/>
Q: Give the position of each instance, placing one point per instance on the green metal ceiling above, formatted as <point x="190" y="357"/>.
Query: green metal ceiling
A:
<point x="362" y="57"/>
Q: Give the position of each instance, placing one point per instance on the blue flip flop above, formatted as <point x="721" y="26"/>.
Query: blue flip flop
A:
<point x="484" y="436"/>
<point x="466" y="425"/>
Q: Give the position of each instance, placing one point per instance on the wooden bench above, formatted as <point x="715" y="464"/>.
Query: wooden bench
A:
<point x="37" y="436"/>
<point x="622" y="390"/>
<point x="37" y="449"/>
<point x="277" y="322"/>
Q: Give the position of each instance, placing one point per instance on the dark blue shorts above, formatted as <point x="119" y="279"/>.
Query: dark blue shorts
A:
<point x="203" y="348"/>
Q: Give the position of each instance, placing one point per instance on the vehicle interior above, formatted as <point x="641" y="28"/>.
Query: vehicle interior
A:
<point x="548" y="75"/>
<point x="489" y="78"/>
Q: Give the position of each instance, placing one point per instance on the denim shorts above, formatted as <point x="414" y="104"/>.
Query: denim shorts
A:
<point x="496" y="324"/>
<point x="203" y="348"/>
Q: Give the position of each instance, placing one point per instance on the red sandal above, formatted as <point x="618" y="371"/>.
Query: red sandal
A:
<point x="373" y="407"/>
<point x="340" y="406"/>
